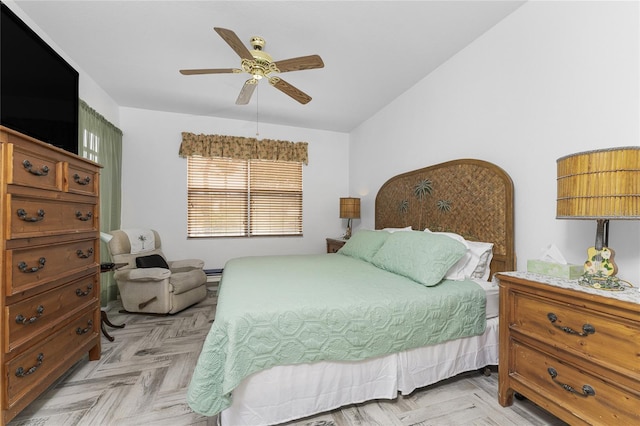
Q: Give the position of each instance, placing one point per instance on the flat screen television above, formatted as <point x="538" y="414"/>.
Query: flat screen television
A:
<point x="38" y="88"/>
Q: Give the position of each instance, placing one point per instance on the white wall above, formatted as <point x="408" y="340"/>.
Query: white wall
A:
<point x="154" y="184"/>
<point x="552" y="79"/>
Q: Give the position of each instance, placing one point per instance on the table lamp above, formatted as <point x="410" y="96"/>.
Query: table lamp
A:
<point x="349" y="209"/>
<point x="600" y="185"/>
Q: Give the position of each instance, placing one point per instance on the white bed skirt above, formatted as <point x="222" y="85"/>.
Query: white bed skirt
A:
<point x="285" y="393"/>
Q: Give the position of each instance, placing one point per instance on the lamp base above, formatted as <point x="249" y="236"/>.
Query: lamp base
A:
<point x="601" y="281"/>
<point x="347" y="234"/>
<point x="600" y="258"/>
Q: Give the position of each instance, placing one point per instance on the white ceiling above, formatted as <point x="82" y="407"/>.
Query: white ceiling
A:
<point x="373" y="51"/>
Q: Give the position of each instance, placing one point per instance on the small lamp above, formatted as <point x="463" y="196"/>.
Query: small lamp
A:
<point x="349" y="209"/>
<point x="106" y="266"/>
<point x="601" y="185"/>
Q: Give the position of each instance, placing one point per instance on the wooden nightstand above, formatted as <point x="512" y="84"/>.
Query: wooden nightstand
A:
<point x="570" y="349"/>
<point x="334" y="244"/>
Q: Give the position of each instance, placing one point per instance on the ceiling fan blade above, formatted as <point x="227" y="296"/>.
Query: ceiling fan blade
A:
<point x="246" y="91"/>
<point x="210" y="71"/>
<point x="290" y="90"/>
<point x="301" y="63"/>
<point x="236" y="44"/>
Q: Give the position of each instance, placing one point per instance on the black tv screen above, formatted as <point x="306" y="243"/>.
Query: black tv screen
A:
<point x="38" y="88"/>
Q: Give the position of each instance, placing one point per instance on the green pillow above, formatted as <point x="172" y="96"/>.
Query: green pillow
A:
<point x="364" y="244"/>
<point x="422" y="256"/>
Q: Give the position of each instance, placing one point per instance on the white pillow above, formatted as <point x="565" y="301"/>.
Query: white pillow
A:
<point x="408" y="228"/>
<point x="476" y="263"/>
<point x="481" y="253"/>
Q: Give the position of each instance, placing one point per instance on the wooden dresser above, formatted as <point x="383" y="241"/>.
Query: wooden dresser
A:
<point x="50" y="266"/>
<point x="573" y="351"/>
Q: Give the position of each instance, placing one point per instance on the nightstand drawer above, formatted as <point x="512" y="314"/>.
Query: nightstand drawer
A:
<point x="334" y="244"/>
<point x="592" y="399"/>
<point x="573" y="328"/>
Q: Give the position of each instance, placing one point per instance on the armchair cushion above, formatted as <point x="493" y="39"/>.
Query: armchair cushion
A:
<point x="142" y="274"/>
<point x="186" y="264"/>
<point x="185" y="281"/>
<point x="151" y="261"/>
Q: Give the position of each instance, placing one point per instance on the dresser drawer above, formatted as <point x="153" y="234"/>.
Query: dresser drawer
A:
<point x="81" y="180"/>
<point x="28" y="268"/>
<point x="30" y="317"/>
<point x="36" y="365"/>
<point x="577" y="329"/>
<point x="32" y="217"/>
<point x="588" y="397"/>
<point x="36" y="167"/>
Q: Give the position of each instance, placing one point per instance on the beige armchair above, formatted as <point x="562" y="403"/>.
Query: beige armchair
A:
<point x="149" y="283"/>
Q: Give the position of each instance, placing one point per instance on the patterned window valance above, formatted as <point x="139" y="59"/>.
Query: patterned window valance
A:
<point x="242" y="148"/>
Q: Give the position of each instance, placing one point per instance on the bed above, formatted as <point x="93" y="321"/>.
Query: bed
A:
<point x="397" y="308"/>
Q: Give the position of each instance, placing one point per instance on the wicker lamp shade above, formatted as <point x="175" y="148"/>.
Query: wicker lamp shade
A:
<point x="601" y="184"/>
<point x="349" y="208"/>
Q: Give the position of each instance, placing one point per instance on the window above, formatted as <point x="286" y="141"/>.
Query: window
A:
<point x="229" y="197"/>
<point x="90" y="146"/>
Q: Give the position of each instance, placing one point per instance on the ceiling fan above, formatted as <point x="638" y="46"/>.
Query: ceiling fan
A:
<point x="259" y="64"/>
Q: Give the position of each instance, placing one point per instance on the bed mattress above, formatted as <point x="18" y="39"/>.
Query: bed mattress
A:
<point x="492" y="292"/>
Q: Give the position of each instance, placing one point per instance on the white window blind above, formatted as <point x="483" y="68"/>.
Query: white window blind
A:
<point x="229" y="197"/>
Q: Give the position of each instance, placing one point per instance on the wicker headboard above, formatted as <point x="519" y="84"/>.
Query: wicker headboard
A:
<point x="472" y="198"/>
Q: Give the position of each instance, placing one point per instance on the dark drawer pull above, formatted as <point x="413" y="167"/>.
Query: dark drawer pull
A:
<point x="22" y="214"/>
<point x="81" y="293"/>
<point x="586" y="389"/>
<point x="586" y="328"/>
<point x="84" y="218"/>
<point x="24" y="268"/>
<point x="21" y="372"/>
<point x="85" y="181"/>
<point x="82" y="331"/>
<point x="82" y="255"/>
<point x="22" y="320"/>
<point x="44" y="170"/>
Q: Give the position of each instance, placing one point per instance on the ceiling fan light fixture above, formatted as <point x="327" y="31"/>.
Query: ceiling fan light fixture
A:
<point x="259" y="64"/>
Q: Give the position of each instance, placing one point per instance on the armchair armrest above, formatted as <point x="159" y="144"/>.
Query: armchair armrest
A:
<point x="186" y="264"/>
<point x="142" y="274"/>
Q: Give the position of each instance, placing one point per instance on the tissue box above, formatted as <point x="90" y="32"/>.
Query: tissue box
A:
<point x="566" y="271"/>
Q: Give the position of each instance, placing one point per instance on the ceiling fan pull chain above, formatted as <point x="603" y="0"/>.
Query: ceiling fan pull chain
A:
<point x="257" y="104"/>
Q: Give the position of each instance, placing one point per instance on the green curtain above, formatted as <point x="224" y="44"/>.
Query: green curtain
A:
<point x="101" y="142"/>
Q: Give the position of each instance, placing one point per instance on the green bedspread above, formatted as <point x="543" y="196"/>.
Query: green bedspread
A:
<point x="278" y="310"/>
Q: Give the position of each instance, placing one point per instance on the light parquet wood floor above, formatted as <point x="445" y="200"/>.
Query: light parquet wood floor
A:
<point x="143" y="375"/>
